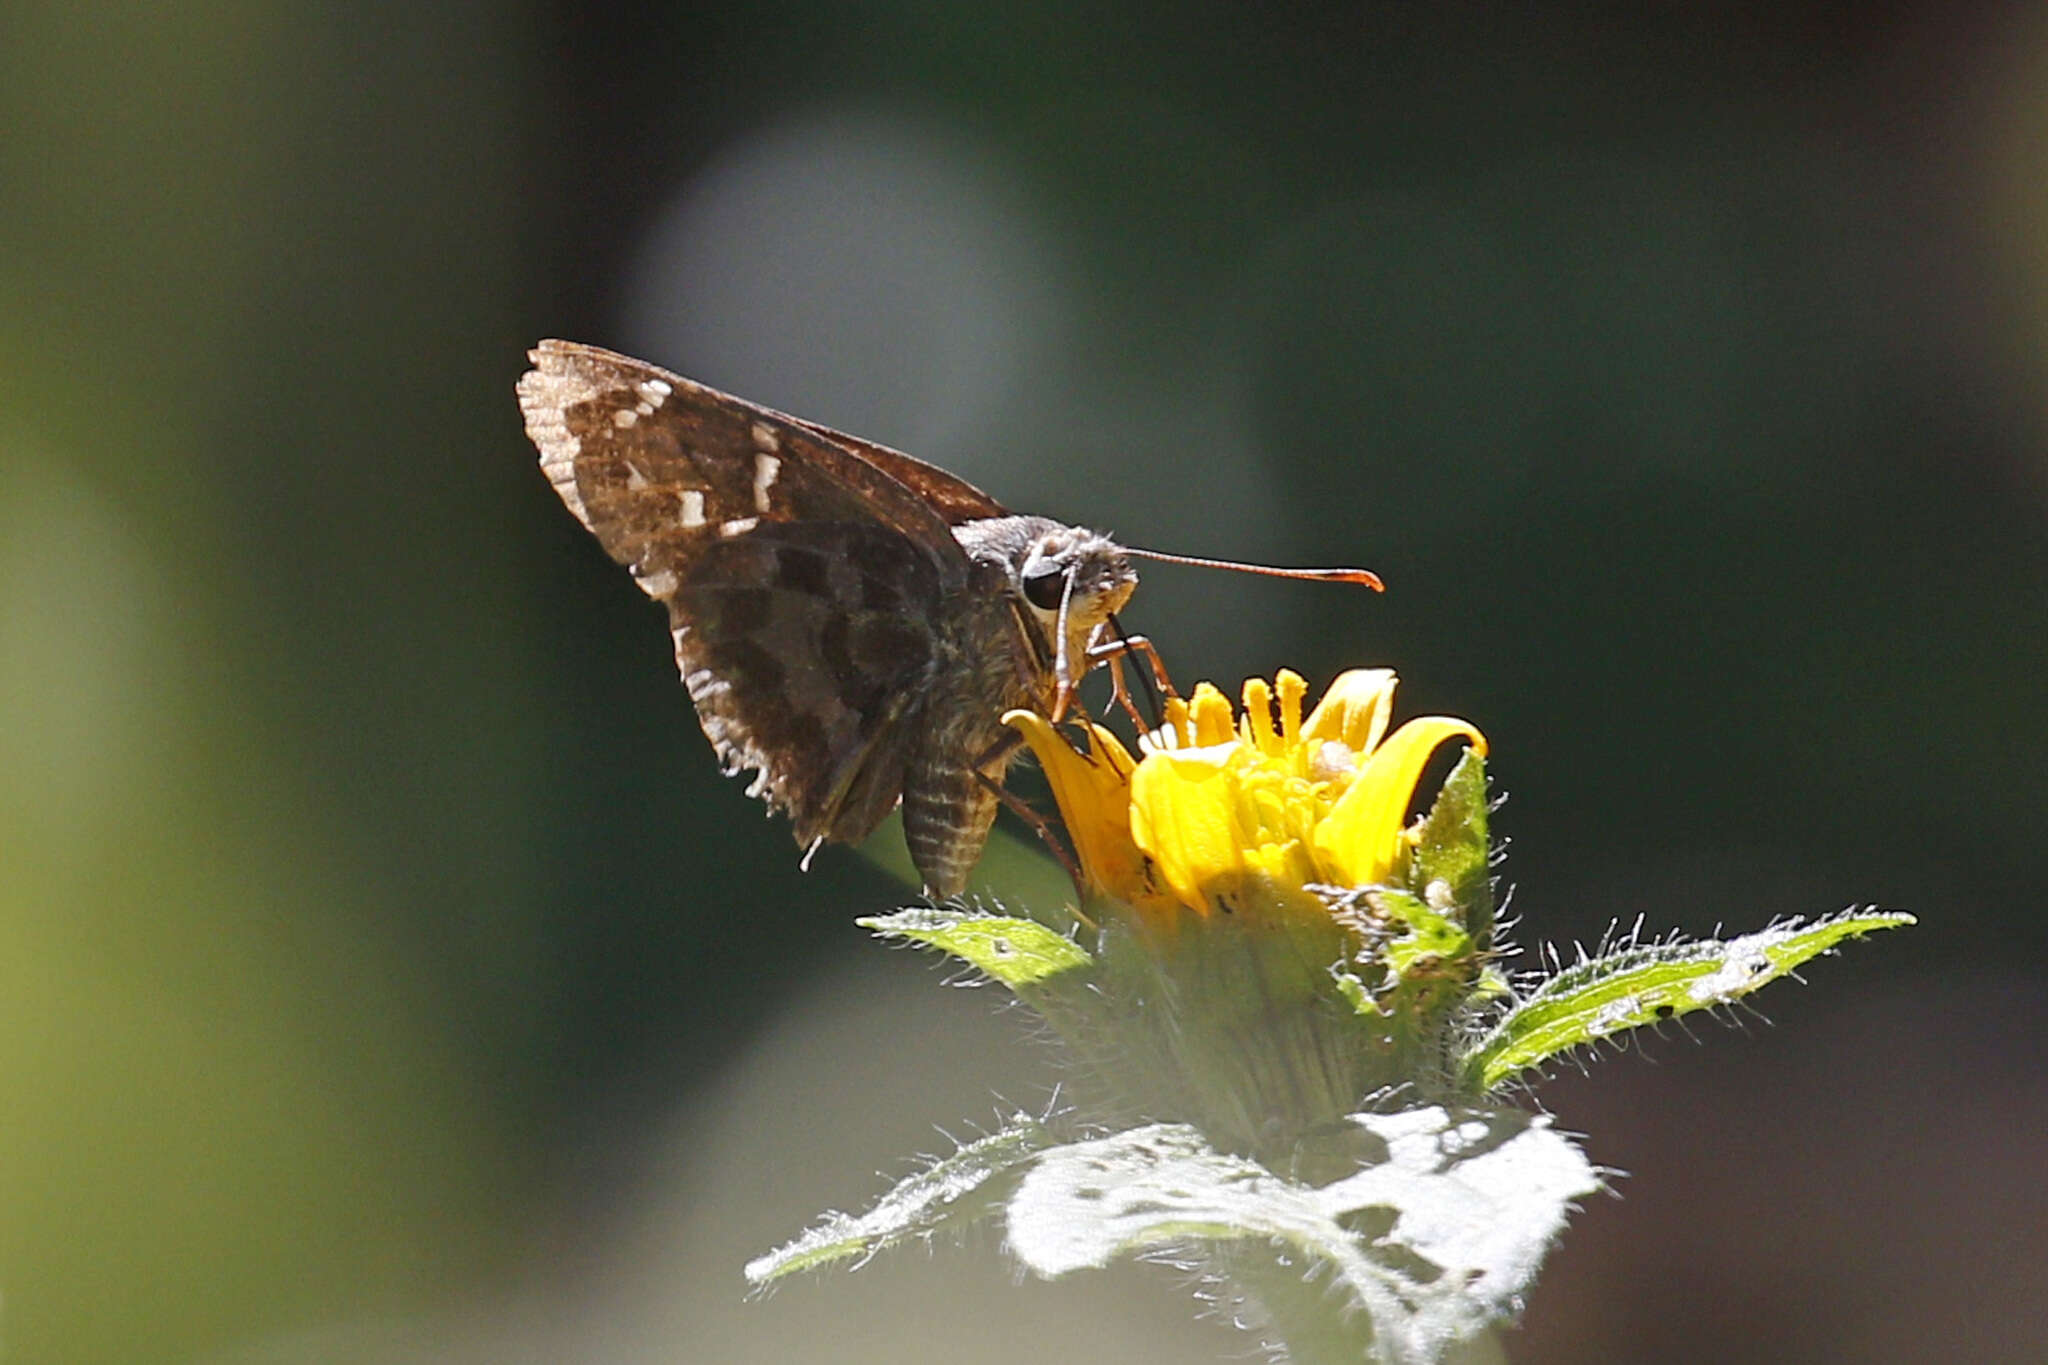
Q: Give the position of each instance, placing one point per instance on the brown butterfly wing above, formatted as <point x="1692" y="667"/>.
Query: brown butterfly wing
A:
<point x="951" y="496"/>
<point x="800" y="578"/>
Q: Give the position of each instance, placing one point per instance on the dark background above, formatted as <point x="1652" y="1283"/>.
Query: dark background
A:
<point x="387" y="975"/>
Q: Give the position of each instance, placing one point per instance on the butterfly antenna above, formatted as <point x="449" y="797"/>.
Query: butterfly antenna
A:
<point x="1154" y="707"/>
<point x="1363" y="576"/>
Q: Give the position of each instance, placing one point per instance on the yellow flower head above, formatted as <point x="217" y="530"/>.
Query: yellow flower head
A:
<point x="1237" y="813"/>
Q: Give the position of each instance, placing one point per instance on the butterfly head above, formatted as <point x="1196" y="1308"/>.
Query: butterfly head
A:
<point x="1076" y="577"/>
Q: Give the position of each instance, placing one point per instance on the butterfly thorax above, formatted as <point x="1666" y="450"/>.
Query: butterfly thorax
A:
<point x="1000" y="651"/>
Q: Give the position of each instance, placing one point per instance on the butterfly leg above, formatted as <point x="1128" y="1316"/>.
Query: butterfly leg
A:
<point x="1022" y="809"/>
<point x="1140" y="645"/>
<point x="1065" y="699"/>
<point x="1120" y="694"/>
<point x="990" y="767"/>
<point x="1111" y="652"/>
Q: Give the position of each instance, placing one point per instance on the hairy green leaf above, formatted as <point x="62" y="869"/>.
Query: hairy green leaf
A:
<point x="1015" y="952"/>
<point x="1645" y="984"/>
<point x="951" y="1193"/>
<point x="1432" y="1235"/>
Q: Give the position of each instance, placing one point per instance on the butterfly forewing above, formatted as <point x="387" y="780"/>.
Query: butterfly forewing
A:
<point x="952" y="497"/>
<point x="800" y="579"/>
<point x="635" y="450"/>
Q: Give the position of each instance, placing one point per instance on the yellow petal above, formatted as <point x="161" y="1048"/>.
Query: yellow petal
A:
<point x="1209" y="716"/>
<point x="1256" y="728"/>
<point x="1358" y="842"/>
<point x="1281" y="869"/>
<point x="1354" y="710"/>
<point x="1184" y="813"/>
<point x="1292" y="687"/>
<point x="1094" y="797"/>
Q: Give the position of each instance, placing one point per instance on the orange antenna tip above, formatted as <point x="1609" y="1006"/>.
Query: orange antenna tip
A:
<point x="1365" y="577"/>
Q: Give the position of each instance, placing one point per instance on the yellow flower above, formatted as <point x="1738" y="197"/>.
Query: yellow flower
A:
<point x="1235" y="813"/>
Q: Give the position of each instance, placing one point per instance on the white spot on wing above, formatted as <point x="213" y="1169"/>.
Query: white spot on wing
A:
<point x="765" y="437"/>
<point x="625" y="417"/>
<point x="738" y="526"/>
<point x="766" y="467"/>
<point x="635" y="480"/>
<point x="693" y="509"/>
<point x="658" y="584"/>
<point x="653" y="392"/>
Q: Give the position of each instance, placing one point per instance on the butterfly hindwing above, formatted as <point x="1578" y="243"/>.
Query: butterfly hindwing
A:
<point x="803" y="644"/>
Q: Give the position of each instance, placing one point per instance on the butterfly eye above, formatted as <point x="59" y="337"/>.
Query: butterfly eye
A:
<point x="1043" y="585"/>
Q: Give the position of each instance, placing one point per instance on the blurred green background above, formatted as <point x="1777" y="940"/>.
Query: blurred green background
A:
<point x="387" y="974"/>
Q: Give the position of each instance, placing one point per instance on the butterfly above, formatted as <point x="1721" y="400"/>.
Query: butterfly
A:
<point x="852" y="623"/>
